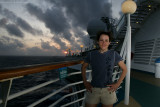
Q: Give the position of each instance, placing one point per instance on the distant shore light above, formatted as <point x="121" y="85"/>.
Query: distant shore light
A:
<point x="81" y="46"/>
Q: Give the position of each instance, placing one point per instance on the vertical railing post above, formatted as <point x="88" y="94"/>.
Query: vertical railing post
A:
<point x="4" y="91"/>
<point x="128" y="59"/>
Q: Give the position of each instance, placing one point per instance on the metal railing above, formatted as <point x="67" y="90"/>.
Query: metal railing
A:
<point x="7" y="75"/>
<point x="6" y="84"/>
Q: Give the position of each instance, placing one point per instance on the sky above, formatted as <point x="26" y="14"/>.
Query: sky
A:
<point x="49" y="27"/>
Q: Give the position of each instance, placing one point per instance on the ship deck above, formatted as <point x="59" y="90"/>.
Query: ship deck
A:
<point x="144" y="90"/>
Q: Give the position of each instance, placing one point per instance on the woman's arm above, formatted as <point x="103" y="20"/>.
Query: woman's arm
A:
<point x="124" y="71"/>
<point x="86" y="84"/>
<point x="83" y="69"/>
<point x="114" y="87"/>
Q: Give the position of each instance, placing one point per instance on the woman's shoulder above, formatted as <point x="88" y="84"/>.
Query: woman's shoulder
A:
<point x="114" y="51"/>
<point x="111" y="51"/>
<point x="94" y="51"/>
<point x="91" y="52"/>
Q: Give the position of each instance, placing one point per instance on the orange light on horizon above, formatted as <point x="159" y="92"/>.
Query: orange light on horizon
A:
<point x="81" y="46"/>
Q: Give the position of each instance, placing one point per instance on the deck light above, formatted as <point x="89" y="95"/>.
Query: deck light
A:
<point x="129" y="6"/>
<point x="94" y="46"/>
<point x="81" y="48"/>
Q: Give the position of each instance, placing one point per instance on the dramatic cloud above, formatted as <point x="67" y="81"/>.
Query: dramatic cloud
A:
<point x="14" y="30"/>
<point x="35" y="51"/>
<point x="82" y="11"/>
<point x="53" y="18"/>
<point x="64" y="23"/>
<point x="45" y="50"/>
<point x="45" y="45"/>
<point x="11" y="28"/>
<point x="66" y="16"/>
<point x="13" y="42"/>
<point x="19" y="22"/>
<point x="60" y="42"/>
<point x="10" y="46"/>
<point x="3" y="22"/>
<point x="25" y="26"/>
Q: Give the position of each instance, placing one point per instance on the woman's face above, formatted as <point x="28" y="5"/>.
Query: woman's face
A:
<point x="103" y="42"/>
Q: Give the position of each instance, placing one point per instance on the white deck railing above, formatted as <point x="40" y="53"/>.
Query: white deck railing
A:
<point x="15" y="95"/>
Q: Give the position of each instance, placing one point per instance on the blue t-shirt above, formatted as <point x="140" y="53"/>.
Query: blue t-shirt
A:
<point x="102" y="66"/>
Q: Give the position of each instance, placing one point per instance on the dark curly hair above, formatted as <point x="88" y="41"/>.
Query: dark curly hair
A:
<point x="109" y="34"/>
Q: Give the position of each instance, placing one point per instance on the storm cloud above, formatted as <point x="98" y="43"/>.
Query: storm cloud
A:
<point x="19" y="22"/>
<point x="68" y="15"/>
<point x="54" y="19"/>
<point x="10" y="46"/>
<point x="81" y="12"/>
<point x="25" y="26"/>
<point x="14" y="30"/>
<point x="65" y="20"/>
<point x="11" y="28"/>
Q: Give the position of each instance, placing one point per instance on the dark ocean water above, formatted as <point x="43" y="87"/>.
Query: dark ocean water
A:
<point x="33" y="79"/>
<point x="18" y="61"/>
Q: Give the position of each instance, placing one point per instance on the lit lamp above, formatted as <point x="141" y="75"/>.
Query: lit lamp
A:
<point x="128" y="7"/>
<point x="94" y="46"/>
<point x="65" y="53"/>
<point x="81" y="48"/>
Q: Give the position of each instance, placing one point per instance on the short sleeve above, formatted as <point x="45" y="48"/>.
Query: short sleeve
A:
<point x="87" y="59"/>
<point x="117" y="57"/>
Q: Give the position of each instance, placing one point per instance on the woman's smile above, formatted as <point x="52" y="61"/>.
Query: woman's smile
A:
<point x="103" y="42"/>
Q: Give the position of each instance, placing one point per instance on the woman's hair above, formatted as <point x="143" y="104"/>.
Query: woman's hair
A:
<point x="109" y="34"/>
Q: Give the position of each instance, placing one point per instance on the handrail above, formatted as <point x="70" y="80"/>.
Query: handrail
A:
<point x="52" y="94"/>
<point x="73" y="93"/>
<point x="49" y="82"/>
<point x="43" y="85"/>
<point x="72" y="102"/>
<point x="38" y="86"/>
<point x="16" y="72"/>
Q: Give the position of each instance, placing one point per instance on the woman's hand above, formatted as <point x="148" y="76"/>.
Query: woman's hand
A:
<point x="88" y="86"/>
<point x="113" y="87"/>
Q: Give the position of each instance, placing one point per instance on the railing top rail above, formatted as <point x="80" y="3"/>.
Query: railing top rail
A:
<point x="17" y="72"/>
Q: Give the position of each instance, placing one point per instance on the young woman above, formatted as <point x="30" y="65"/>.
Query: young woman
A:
<point x="101" y="89"/>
